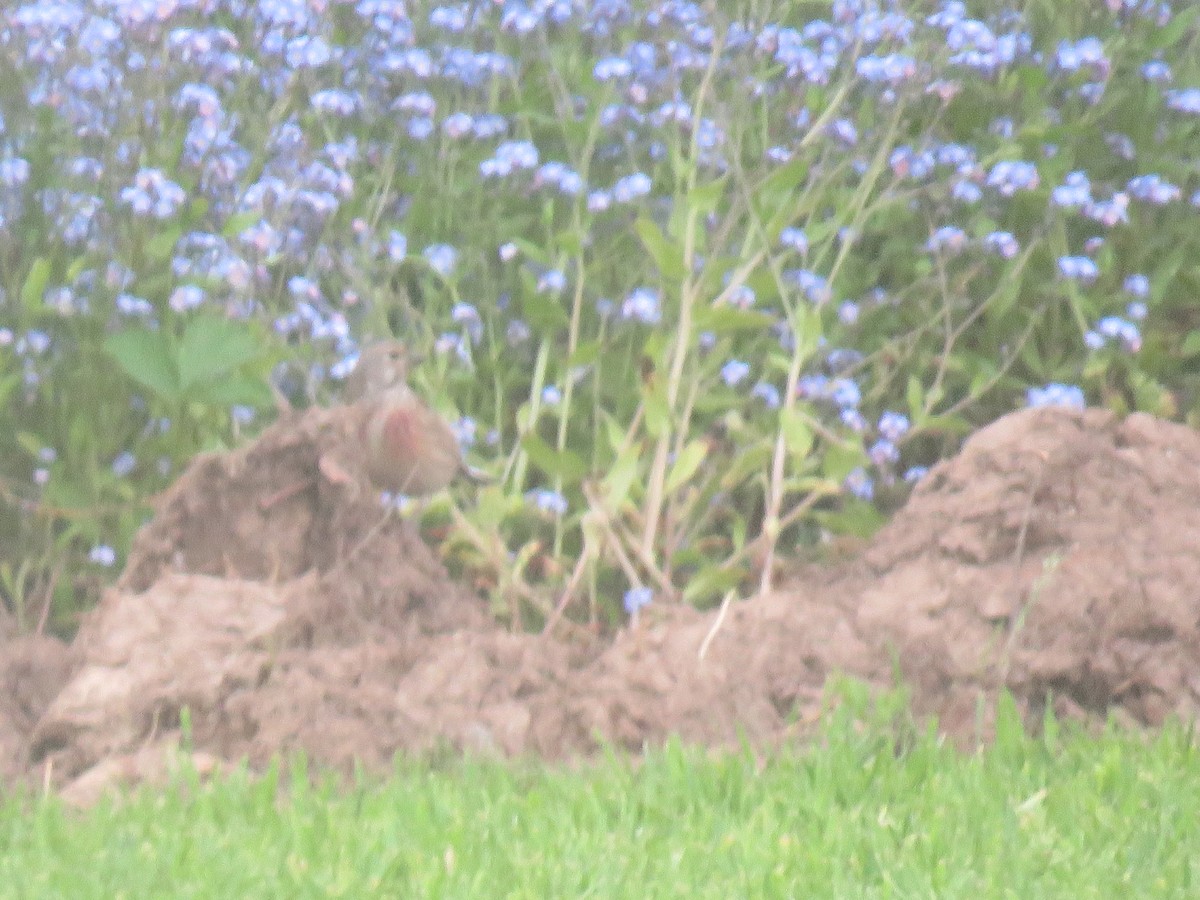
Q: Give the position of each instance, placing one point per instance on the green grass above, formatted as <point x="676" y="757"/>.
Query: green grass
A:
<point x="1063" y="815"/>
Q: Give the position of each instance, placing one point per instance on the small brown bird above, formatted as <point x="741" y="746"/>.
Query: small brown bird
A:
<point x="409" y="448"/>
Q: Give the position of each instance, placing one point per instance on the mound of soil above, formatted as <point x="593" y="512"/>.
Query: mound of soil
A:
<point x="1056" y="556"/>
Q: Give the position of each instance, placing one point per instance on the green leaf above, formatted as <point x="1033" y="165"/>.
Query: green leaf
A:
<point x="237" y="390"/>
<point x="620" y="478"/>
<point x="782" y="183"/>
<point x="239" y="222"/>
<point x="807" y="330"/>
<point x="725" y="319"/>
<point x="146" y="357"/>
<point x="31" y="443"/>
<point x="585" y="354"/>
<point x="567" y="465"/>
<point x="751" y="462"/>
<point x="667" y="255"/>
<point x="658" y="412"/>
<point x="614" y="431"/>
<point x="797" y="435"/>
<point x="705" y="198"/>
<point x="948" y="424"/>
<point x="544" y="313"/>
<point x="1175" y="29"/>
<point x="532" y="251"/>
<point x="914" y="397"/>
<point x="842" y="459"/>
<point x="711" y="583"/>
<point x="1191" y="343"/>
<point x="570" y="241"/>
<point x="160" y="247"/>
<point x="213" y="347"/>
<point x="686" y="464"/>
<point x="34" y="287"/>
<point x="8" y="385"/>
<point x="857" y="518"/>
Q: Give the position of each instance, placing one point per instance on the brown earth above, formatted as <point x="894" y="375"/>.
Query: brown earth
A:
<point x="1057" y="555"/>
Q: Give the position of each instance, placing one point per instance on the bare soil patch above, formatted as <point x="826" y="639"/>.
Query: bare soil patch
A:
<point x="1057" y="555"/>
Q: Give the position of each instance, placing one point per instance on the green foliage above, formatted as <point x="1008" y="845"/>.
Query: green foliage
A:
<point x="644" y="460"/>
<point x="204" y="365"/>
<point x="876" y="807"/>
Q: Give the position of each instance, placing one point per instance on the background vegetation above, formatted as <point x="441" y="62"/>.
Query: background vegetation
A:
<point x="695" y="279"/>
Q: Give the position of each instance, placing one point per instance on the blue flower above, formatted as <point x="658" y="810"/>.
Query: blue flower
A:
<point x="795" y="239"/>
<point x="845" y="393"/>
<point x="1138" y="285"/>
<point x="636" y="598"/>
<point x="14" y="172"/>
<point x="458" y="125"/>
<point x="186" y="297"/>
<point x="102" y="555"/>
<point x="1056" y="394"/>
<point x="1154" y="189"/>
<point x="612" y="68"/>
<point x="949" y="239"/>
<point x="442" y="258"/>
<point x="1086" y="52"/>
<point x="734" y="372"/>
<point x="1109" y="212"/>
<point x="815" y="287"/>
<point x="517" y="332"/>
<point x="965" y="191"/>
<point x="1010" y="176"/>
<point x="123" y="464"/>
<point x="510" y="156"/>
<point x="642" y="305"/>
<point x="1074" y="193"/>
<point x="631" y="187"/>
<point x="449" y="18"/>
<point x="335" y="102"/>
<point x="420" y="128"/>
<point x="893" y="69"/>
<point x="129" y="305"/>
<point x="1186" y="101"/>
<point x="860" y="484"/>
<point x="465" y="429"/>
<point x="551" y="281"/>
<point x="1078" y="268"/>
<point x="547" y="500"/>
<point x="397" y="246"/>
<point x="853" y="419"/>
<point x="1157" y="71"/>
<point x="893" y="425"/>
<point x="153" y="194"/>
<point x="466" y="314"/>
<point x="1121" y="330"/>
<point x="768" y="394"/>
<point x="884" y="453"/>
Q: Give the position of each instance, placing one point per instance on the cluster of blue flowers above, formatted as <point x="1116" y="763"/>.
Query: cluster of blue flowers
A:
<point x="279" y="147"/>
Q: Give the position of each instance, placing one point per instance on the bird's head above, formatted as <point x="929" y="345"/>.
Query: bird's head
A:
<point x="381" y="365"/>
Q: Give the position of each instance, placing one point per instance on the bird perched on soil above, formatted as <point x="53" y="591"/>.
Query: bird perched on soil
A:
<point x="408" y="448"/>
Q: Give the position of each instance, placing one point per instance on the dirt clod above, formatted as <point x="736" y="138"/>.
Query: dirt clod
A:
<point x="1056" y="555"/>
